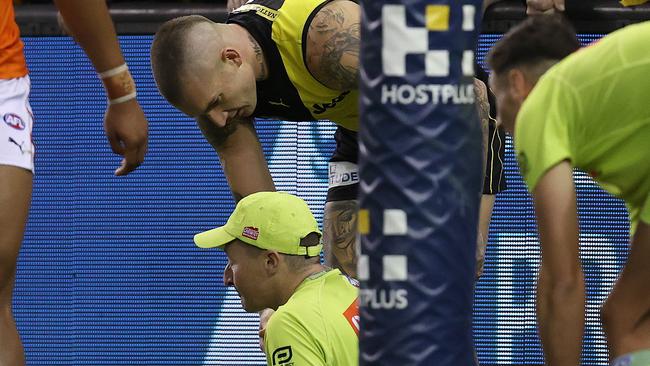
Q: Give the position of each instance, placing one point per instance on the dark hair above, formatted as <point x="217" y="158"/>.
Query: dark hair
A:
<point x="538" y="38"/>
<point x="169" y="54"/>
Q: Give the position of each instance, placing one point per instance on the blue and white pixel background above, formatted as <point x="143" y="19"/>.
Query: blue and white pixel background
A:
<point x="108" y="273"/>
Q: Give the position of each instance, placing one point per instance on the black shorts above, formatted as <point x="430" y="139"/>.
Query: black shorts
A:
<point x="343" y="171"/>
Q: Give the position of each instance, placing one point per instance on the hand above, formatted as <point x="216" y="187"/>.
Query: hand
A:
<point x="265" y="315"/>
<point x="126" y="129"/>
<point x="544" y="6"/>
<point x="234" y="4"/>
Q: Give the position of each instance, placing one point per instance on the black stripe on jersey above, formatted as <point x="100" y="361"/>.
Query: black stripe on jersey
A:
<point x="276" y="96"/>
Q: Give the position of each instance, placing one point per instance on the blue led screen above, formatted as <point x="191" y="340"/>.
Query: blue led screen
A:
<point x="108" y="273"/>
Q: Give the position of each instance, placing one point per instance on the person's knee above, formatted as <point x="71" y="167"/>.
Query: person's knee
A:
<point x="623" y="334"/>
<point x="608" y="315"/>
<point x="7" y="272"/>
<point x="6" y="289"/>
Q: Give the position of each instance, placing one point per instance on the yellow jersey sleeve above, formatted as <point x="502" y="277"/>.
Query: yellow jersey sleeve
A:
<point x="288" y="341"/>
<point x="543" y="128"/>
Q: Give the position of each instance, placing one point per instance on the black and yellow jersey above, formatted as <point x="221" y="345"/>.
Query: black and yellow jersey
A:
<point x="291" y="92"/>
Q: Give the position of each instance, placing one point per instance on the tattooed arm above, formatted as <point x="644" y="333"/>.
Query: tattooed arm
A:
<point x="333" y="45"/>
<point x="487" y="201"/>
<point x="483" y="107"/>
<point x="241" y="156"/>
<point x="340" y="234"/>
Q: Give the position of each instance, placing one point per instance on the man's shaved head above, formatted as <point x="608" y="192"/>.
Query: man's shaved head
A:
<point x="177" y="47"/>
<point x="202" y="68"/>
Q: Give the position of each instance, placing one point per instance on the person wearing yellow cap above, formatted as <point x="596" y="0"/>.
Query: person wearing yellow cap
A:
<point x="273" y="246"/>
<point x="588" y="110"/>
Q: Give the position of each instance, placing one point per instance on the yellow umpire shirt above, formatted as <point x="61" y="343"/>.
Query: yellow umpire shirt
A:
<point x="319" y="324"/>
<point x="592" y="109"/>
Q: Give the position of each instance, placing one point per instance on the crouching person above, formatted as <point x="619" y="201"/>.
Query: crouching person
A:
<point x="273" y="246"/>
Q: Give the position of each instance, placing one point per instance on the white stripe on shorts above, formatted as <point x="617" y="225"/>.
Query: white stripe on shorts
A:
<point x="16" y="122"/>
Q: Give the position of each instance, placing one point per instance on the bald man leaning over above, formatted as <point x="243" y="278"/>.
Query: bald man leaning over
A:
<point x="225" y="74"/>
<point x="293" y="60"/>
<point x="296" y="60"/>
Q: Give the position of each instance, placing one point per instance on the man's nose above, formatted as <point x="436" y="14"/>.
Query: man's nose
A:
<point x="227" y="276"/>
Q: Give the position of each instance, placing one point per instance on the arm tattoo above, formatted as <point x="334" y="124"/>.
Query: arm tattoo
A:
<point x="328" y="21"/>
<point x="483" y="107"/>
<point x="338" y="60"/>
<point x="340" y="234"/>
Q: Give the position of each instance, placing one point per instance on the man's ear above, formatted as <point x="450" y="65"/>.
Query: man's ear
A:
<point x="272" y="262"/>
<point x="519" y="84"/>
<point x="516" y="84"/>
<point x="231" y="54"/>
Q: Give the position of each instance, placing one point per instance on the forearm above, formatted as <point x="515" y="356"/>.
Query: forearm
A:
<point x="245" y="166"/>
<point x="560" y="314"/>
<point x="92" y="28"/>
<point x="485" y="215"/>
<point x="241" y="156"/>
<point x="561" y="289"/>
<point x="483" y="109"/>
<point x="340" y="235"/>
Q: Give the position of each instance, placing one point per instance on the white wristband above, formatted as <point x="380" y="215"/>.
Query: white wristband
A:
<point x="122" y="99"/>
<point x="114" y="71"/>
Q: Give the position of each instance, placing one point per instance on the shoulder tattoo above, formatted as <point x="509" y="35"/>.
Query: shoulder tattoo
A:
<point x="334" y="35"/>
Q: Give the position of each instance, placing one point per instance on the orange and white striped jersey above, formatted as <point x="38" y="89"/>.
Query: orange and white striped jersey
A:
<point x="12" y="59"/>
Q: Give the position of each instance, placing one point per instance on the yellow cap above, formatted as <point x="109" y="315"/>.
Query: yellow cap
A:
<point x="268" y="220"/>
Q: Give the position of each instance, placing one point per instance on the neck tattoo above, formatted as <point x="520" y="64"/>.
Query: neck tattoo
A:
<point x="259" y="56"/>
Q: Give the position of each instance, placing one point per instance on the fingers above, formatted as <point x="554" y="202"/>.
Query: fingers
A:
<point x="544" y="6"/>
<point x="115" y="143"/>
<point x="261" y="334"/>
<point x="126" y="130"/>
<point x="133" y="157"/>
<point x="262" y="343"/>
<point x="533" y="11"/>
<point x="534" y="7"/>
<point x="265" y="315"/>
<point x="530" y="7"/>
